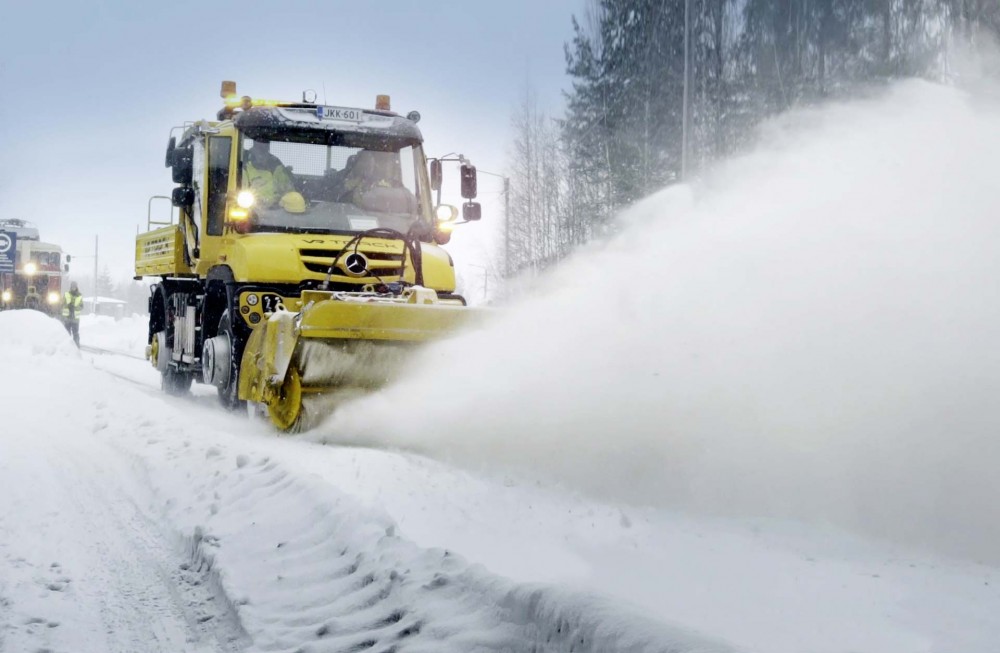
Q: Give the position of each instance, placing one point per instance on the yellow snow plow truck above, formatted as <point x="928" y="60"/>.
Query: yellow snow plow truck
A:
<point x="305" y="259"/>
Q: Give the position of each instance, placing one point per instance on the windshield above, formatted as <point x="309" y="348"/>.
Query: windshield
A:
<point x="334" y="188"/>
<point x="45" y="261"/>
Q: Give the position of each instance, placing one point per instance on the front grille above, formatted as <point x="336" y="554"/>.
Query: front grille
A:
<point x="382" y="263"/>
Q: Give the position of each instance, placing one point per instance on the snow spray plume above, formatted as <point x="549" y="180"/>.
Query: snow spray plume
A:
<point x="814" y="336"/>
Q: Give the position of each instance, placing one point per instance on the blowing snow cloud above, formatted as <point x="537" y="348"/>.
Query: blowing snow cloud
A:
<point x="809" y="333"/>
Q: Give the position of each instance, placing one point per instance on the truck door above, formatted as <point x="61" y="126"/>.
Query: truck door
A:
<point x="219" y="152"/>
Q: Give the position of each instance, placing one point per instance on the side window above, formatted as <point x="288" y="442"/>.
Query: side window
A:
<point x="406" y="161"/>
<point x="219" y="149"/>
<point x="197" y="178"/>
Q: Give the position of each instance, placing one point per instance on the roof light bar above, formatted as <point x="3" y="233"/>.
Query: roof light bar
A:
<point x="246" y="102"/>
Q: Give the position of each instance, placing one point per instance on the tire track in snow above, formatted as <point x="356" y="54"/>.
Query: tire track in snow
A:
<point x="310" y="570"/>
<point x="88" y="568"/>
<point x="175" y="584"/>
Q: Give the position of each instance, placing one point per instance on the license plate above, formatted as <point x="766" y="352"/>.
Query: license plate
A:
<point x="363" y="224"/>
<point x="340" y="113"/>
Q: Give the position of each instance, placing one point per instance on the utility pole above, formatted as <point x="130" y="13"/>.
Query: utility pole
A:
<point x="80" y="256"/>
<point x="94" y="307"/>
<point x="506" y="227"/>
<point x="506" y="219"/>
<point x="685" y="111"/>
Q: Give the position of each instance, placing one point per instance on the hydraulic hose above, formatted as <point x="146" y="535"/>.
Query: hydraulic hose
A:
<point x="411" y="243"/>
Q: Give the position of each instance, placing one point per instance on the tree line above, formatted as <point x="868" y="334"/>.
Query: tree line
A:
<point x="620" y="135"/>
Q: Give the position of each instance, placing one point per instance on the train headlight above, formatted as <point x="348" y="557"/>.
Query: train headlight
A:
<point x="30" y="268"/>
<point x="6" y="296"/>
<point x="53" y="297"/>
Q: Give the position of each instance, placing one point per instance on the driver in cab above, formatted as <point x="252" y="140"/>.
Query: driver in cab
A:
<point x="372" y="180"/>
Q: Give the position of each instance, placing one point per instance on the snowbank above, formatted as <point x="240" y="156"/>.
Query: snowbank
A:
<point x="26" y="334"/>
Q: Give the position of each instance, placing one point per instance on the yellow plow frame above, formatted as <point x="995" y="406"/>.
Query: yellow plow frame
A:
<point x="301" y="366"/>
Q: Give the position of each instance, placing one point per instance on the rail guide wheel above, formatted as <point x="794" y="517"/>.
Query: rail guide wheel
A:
<point x="154" y="352"/>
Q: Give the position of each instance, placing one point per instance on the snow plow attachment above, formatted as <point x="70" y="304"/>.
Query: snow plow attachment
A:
<point x="299" y="367"/>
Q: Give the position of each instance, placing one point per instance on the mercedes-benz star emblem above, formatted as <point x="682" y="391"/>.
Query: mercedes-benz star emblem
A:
<point x="356" y="264"/>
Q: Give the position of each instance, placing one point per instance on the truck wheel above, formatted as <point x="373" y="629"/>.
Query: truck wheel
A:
<point x="228" y="394"/>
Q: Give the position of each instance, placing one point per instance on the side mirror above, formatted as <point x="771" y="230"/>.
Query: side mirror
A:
<point x="182" y="197"/>
<point x="66" y="267"/>
<point x="69" y="259"/>
<point x="468" y="181"/>
<point x="171" y="148"/>
<point x="182" y="167"/>
<point x="435" y="174"/>
<point x="472" y="211"/>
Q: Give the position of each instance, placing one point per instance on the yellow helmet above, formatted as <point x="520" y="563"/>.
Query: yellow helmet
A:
<point x="293" y="202"/>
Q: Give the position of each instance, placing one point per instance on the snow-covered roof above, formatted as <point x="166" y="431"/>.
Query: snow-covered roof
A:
<point x="21" y="228"/>
<point x="103" y="300"/>
<point x="375" y="124"/>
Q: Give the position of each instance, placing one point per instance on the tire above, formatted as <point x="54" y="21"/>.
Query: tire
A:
<point x="228" y="396"/>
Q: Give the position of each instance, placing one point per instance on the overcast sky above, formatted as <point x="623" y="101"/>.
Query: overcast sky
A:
<point x="90" y="90"/>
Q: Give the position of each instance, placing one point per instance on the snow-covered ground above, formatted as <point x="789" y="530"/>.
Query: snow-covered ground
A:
<point x="692" y="452"/>
<point x="126" y="335"/>
<point x="135" y="522"/>
<point x="131" y="521"/>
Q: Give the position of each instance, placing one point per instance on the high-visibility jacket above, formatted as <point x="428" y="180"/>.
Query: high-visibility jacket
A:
<point x="268" y="186"/>
<point x="72" y="306"/>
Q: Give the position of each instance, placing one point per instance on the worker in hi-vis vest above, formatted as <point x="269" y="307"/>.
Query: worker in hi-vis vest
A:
<point x="71" y="309"/>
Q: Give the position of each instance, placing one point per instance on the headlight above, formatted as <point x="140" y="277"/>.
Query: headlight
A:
<point x="53" y="297"/>
<point x="445" y="213"/>
<point x="6" y="295"/>
<point x="30" y="268"/>
<point x="245" y="199"/>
